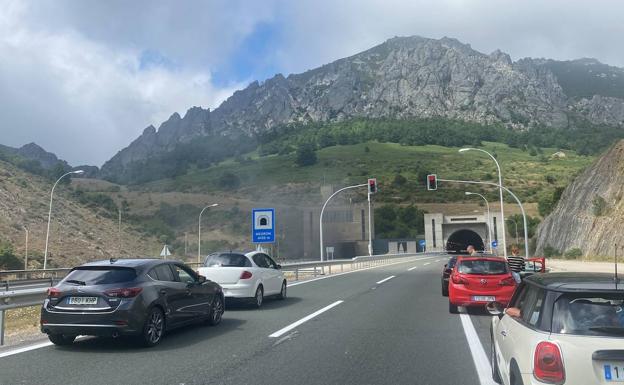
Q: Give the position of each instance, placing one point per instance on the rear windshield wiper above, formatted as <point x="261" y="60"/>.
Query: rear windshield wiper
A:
<point x="608" y="329"/>
<point x="77" y="282"/>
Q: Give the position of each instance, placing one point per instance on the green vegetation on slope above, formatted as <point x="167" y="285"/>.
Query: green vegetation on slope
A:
<point x="400" y="169"/>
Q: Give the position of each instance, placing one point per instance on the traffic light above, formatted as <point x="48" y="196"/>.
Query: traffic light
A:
<point x="372" y="185"/>
<point x="432" y="182"/>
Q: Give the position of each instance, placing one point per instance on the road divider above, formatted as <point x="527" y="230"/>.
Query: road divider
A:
<point x="305" y="319"/>
<point x="385" y="280"/>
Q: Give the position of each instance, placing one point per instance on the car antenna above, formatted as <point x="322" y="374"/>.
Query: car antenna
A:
<point x="113" y="260"/>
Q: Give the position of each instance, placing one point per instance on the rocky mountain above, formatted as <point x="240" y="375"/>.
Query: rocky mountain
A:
<point x="590" y="213"/>
<point x="34" y="152"/>
<point x="402" y="78"/>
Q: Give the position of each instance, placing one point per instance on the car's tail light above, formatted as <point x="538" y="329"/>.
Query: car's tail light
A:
<point x="53" y="292"/>
<point x="123" y="293"/>
<point x="509" y="281"/>
<point x="245" y="275"/>
<point x="547" y="363"/>
<point x="458" y="279"/>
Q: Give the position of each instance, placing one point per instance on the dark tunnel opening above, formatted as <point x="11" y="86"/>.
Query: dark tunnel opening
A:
<point x="458" y="241"/>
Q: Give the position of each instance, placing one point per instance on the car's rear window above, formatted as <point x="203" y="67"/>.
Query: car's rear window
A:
<point x="96" y="275"/>
<point x="589" y="314"/>
<point x="227" y="260"/>
<point x="482" y="267"/>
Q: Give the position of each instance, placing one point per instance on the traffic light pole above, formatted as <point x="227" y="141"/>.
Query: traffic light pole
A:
<point x="323" y="210"/>
<point x="524" y="218"/>
<point x="370" y="230"/>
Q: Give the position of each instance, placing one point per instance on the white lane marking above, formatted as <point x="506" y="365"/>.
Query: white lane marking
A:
<point x="352" y="271"/>
<point x="385" y="280"/>
<point x="481" y="360"/>
<point x="293" y="325"/>
<point x="426" y="263"/>
<point x="25" y="349"/>
<point x="412" y="268"/>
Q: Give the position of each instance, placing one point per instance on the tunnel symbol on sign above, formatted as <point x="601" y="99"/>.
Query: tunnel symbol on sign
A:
<point x="263" y="220"/>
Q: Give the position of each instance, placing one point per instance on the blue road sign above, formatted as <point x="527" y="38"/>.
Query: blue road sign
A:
<point x="494" y="244"/>
<point x="422" y="243"/>
<point x="263" y="225"/>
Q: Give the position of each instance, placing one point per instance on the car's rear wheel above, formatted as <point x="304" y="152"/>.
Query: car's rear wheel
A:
<point x="283" y="293"/>
<point x="216" y="311"/>
<point x="259" y="297"/>
<point x="61" y="339"/>
<point x="444" y="291"/>
<point x="154" y="328"/>
<point x="453" y="308"/>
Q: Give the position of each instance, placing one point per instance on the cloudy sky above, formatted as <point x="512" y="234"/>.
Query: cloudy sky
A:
<point x="83" y="78"/>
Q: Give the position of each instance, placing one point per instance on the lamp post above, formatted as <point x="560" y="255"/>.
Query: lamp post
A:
<point x="500" y="192"/>
<point x="45" y="254"/>
<point x="199" y="231"/>
<point x="26" y="252"/>
<point x="323" y="210"/>
<point x="489" y="223"/>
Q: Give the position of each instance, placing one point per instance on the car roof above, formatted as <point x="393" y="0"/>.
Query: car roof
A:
<point x="479" y="257"/>
<point x="137" y="263"/>
<point x="576" y="282"/>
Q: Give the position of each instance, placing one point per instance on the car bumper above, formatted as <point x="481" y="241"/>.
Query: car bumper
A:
<point x="464" y="297"/>
<point x="238" y="291"/>
<point x="125" y="320"/>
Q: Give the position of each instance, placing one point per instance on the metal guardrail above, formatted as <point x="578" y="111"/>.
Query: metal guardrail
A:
<point x="18" y="298"/>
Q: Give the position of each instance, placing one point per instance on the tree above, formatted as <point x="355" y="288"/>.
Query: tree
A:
<point x="599" y="206"/>
<point x="399" y="180"/>
<point x="306" y="155"/>
<point x="229" y="181"/>
<point x="8" y="259"/>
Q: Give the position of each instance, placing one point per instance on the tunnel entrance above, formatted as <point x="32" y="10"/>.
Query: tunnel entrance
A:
<point x="458" y="241"/>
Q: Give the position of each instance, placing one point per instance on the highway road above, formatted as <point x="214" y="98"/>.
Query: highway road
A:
<point x="386" y="325"/>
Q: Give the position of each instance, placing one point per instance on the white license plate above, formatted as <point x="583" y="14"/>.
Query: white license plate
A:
<point x="483" y="298"/>
<point x="82" y="300"/>
<point x="614" y="372"/>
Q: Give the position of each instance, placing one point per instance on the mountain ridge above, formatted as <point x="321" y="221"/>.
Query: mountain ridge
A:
<point x="402" y="78"/>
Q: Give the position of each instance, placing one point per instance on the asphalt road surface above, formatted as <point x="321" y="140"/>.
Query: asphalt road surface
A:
<point x="387" y="325"/>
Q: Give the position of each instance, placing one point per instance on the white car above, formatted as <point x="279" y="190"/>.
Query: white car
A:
<point x="253" y="275"/>
<point x="560" y="328"/>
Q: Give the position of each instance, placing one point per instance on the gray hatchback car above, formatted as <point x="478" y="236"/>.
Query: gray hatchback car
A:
<point x="137" y="297"/>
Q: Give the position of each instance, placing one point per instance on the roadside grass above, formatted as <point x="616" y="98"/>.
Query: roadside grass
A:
<point x="529" y="176"/>
<point x="22" y="321"/>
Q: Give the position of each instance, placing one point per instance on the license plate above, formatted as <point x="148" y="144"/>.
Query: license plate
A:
<point x="614" y="372"/>
<point x="82" y="300"/>
<point x="483" y="298"/>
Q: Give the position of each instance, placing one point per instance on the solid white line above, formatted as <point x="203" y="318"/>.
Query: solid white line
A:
<point x="25" y="349"/>
<point x="412" y="268"/>
<point x="304" y="319"/>
<point x="481" y="361"/>
<point x="352" y="271"/>
<point x="385" y="279"/>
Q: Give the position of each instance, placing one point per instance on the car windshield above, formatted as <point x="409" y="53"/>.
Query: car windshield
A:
<point x="589" y="315"/>
<point x="227" y="260"/>
<point x="100" y="275"/>
<point x="482" y="267"/>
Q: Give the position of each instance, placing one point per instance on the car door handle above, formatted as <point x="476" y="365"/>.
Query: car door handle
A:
<point x="188" y="291"/>
<point x="163" y="292"/>
<point x="504" y="333"/>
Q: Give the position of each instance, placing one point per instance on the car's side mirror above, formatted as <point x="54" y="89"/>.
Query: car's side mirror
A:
<point x="445" y="265"/>
<point x="201" y="279"/>
<point x="495" y="308"/>
<point x="278" y="267"/>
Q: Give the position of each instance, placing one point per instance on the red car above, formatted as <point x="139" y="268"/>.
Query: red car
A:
<point x="475" y="281"/>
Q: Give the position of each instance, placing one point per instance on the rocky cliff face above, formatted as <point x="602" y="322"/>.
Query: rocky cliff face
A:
<point x="33" y="151"/>
<point x="578" y="221"/>
<point x="405" y="77"/>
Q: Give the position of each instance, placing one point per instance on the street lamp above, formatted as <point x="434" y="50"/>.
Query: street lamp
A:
<point x="500" y="192"/>
<point x="199" y="231"/>
<point x="45" y="254"/>
<point x="323" y="210"/>
<point x="489" y="223"/>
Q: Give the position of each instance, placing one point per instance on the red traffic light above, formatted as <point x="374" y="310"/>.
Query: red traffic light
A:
<point x="372" y="185"/>
<point x="432" y="182"/>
